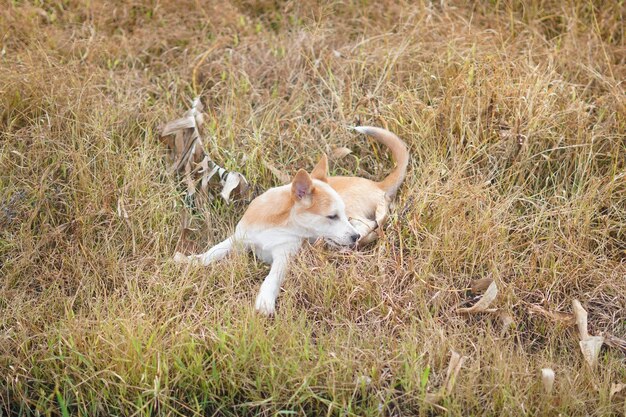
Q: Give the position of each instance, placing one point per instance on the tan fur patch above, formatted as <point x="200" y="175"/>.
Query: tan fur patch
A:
<point x="361" y="196"/>
<point x="270" y="208"/>
<point x="322" y="202"/>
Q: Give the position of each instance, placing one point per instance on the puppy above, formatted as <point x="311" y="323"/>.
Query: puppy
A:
<point x="343" y="210"/>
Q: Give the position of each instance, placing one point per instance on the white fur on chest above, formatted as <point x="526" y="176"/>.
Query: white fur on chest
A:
<point x="264" y="242"/>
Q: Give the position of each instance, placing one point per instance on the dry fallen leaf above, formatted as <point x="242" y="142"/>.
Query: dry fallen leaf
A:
<point x="591" y="349"/>
<point x="589" y="345"/>
<point x="185" y="244"/>
<point x="483" y="304"/>
<point x="121" y="210"/>
<point x="189" y="159"/>
<point x="339" y="153"/>
<point x="454" y="366"/>
<point x="547" y="379"/>
<point x="581" y="319"/>
<point x="480" y="285"/>
<point x="616" y="389"/>
<point x="234" y="181"/>
<point x="456" y="361"/>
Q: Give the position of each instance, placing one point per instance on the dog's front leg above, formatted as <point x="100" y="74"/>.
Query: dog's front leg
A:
<point x="266" y="300"/>
<point x="216" y="253"/>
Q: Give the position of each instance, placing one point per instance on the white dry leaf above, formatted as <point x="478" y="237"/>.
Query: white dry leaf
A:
<point x="547" y="380"/>
<point x="591" y="349"/>
<point x="456" y="361"/>
<point x="187" y="144"/>
<point x="191" y="184"/>
<point x="207" y="173"/>
<point x="233" y="180"/>
<point x="581" y="319"/>
<point x="454" y="366"/>
<point x="121" y="210"/>
<point x="188" y="158"/>
<point x="616" y="389"/>
<point x="339" y="153"/>
<point x="483" y="304"/>
<point x="589" y="345"/>
<point x="179" y="124"/>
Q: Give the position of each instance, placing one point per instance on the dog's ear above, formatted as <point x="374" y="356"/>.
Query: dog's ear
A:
<point x="321" y="169"/>
<point x="302" y="185"/>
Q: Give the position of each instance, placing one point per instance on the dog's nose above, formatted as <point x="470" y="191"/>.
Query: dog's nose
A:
<point x="355" y="237"/>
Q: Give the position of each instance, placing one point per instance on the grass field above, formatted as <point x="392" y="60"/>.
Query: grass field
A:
<point x="515" y="116"/>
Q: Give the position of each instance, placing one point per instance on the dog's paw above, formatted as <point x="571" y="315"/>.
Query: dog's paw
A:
<point x="180" y="258"/>
<point x="265" y="304"/>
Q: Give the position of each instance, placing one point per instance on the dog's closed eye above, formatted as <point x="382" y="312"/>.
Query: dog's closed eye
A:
<point x="333" y="217"/>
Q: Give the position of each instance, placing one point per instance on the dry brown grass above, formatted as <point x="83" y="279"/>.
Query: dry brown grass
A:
<point x="515" y="116"/>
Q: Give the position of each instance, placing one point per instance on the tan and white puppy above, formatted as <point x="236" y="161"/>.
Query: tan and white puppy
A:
<point x="338" y="209"/>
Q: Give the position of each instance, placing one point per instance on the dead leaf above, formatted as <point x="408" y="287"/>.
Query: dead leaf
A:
<point x="172" y="127"/>
<point x="547" y="379"/>
<point x="207" y="173"/>
<point x="581" y="319"/>
<point x="478" y="286"/>
<point x="483" y="304"/>
<point x="185" y="244"/>
<point x="191" y="184"/>
<point x="339" y="153"/>
<point x="591" y="349"/>
<point x="189" y="159"/>
<point x="121" y="210"/>
<point x="616" y="389"/>
<point x="454" y="366"/>
<point x="234" y="181"/>
<point x="456" y="361"/>
<point x="589" y="345"/>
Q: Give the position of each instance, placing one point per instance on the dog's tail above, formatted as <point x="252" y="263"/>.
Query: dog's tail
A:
<point x="400" y="155"/>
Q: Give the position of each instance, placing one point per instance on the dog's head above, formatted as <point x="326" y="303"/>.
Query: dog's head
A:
<point x="319" y="209"/>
